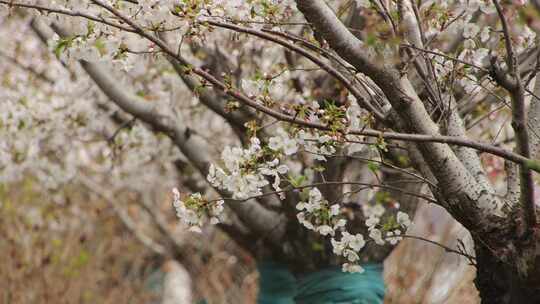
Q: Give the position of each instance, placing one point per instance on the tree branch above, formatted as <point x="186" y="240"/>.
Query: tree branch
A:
<point x="436" y="138"/>
<point x="460" y="251"/>
<point x="191" y="145"/>
<point x="332" y="71"/>
<point x="337" y="183"/>
<point x="339" y="37"/>
<point x="534" y="115"/>
<point x="65" y="12"/>
<point x="237" y="119"/>
<point x="461" y="190"/>
<point x="519" y="123"/>
<point x="260" y="220"/>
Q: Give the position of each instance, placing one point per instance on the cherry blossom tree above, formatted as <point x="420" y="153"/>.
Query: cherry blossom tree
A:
<point x="306" y="130"/>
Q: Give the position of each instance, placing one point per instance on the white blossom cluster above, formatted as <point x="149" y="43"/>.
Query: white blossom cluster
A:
<point x="283" y="143"/>
<point x="348" y="246"/>
<point x="373" y="216"/>
<point x="194" y="210"/>
<point x="318" y="215"/>
<point x="392" y="235"/>
<point x="92" y="47"/>
<point x="245" y="172"/>
<point x="318" y="145"/>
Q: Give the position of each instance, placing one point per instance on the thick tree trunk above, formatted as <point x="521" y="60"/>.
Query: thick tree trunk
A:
<point x="508" y="270"/>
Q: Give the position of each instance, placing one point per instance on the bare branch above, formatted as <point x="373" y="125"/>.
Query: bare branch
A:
<point x="337" y="183"/>
<point x="410" y="25"/>
<point x="519" y="123"/>
<point x="332" y="71"/>
<point x="66" y="12"/>
<point x="339" y="37"/>
<point x="237" y="119"/>
<point x="460" y="251"/>
<point x="469" y="157"/>
<point x="534" y="115"/>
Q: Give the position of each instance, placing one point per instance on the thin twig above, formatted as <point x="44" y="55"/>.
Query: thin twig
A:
<point x="66" y="12"/>
<point x="325" y="183"/>
<point x="460" y="251"/>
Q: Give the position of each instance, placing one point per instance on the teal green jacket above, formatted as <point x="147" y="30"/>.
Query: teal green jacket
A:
<point x="328" y="286"/>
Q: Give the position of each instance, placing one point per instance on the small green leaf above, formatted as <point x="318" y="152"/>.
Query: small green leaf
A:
<point x="533" y="165"/>
<point x="373" y="166"/>
<point x="297" y="181"/>
<point x="100" y="46"/>
<point x="317" y="246"/>
<point x="319" y="168"/>
<point x="381" y="144"/>
<point x="90" y="28"/>
<point x="61" y="45"/>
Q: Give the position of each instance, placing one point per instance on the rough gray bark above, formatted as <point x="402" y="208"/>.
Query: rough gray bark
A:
<point x="508" y="267"/>
<point x="534" y="120"/>
<point x="448" y="169"/>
